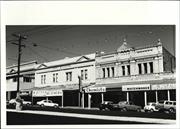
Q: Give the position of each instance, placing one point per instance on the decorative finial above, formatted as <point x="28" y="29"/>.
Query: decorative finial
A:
<point x="159" y="42"/>
<point x="124" y="41"/>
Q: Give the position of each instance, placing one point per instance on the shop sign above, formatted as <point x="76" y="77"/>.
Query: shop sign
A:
<point x="46" y="93"/>
<point x="25" y="93"/>
<point x="95" y="89"/>
<point x="136" y="87"/>
<point x="163" y="86"/>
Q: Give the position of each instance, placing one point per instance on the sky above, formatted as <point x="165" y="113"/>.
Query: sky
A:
<point x="54" y="42"/>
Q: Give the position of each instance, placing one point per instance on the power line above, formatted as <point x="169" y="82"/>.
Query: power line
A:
<point x="13" y="59"/>
<point x="34" y="52"/>
<point x="53" y="49"/>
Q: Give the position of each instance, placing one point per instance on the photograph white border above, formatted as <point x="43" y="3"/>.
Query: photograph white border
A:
<point x="87" y="13"/>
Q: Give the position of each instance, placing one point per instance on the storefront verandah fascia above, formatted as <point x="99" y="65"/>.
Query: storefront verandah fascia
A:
<point x="64" y="95"/>
<point x="138" y="92"/>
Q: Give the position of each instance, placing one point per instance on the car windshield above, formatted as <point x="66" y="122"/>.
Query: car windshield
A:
<point x="107" y="102"/>
<point x="50" y="101"/>
<point x="161" y="102"/>
<point x="151" y="104"/>
<point x="123" y="102"/>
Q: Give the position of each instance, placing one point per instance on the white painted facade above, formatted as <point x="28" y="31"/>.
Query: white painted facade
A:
<point x="135" y="71"/>
<point x="26" y="79"/>
<point x="62" y="67"/>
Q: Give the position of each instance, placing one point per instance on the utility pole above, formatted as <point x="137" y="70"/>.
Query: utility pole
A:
<point x="20" y="38"/>
<point x="79" y="103"/>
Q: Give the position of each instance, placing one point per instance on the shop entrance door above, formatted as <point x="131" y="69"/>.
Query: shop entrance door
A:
<point x="137" y="97"/>
<point x="95" y="99"/>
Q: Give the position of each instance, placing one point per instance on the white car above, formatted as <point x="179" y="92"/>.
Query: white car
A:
<point x="27" y="102"/>
<point x="13" y="102"/>
<point x="150" y="107"/>
<point x="48" y="103"/>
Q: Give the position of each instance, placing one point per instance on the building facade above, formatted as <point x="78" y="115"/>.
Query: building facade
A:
<point x="27" y="77"/>
<point x="62" y="80"/>
<point x="142" y="75"/>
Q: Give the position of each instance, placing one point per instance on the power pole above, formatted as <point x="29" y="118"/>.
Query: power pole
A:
<point x="20" y="38"/>
<point x="79" y="99"/>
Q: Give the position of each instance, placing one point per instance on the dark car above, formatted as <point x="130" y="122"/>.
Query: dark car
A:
<point x="126" y="106"/>
<point x="106" y="105"/>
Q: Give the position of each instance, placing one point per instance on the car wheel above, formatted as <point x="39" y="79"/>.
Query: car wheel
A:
<point x="28" y="104"/>
<point x="138" y="110"/>
<point x="171" y="110"/>
<point x="124" y="109"/>
<point x="55" y="106"/>
<point x="42" y="105"/>
<point x="151" y="110"/>
<point x="107" y="109"/>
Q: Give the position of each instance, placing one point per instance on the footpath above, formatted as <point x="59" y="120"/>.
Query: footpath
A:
<point x="100" y="117"/>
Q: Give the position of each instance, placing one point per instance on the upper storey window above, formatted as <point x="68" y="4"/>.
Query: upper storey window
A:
<point x="69" y="76"/>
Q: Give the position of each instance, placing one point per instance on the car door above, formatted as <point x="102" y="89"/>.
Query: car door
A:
<point x="131" y="106"/>
<point x="50" y="103"/>
<point x="46" y="103"/>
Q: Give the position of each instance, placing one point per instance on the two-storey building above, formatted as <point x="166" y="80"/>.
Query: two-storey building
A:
<point x="143" y="74"/>
<point x="61" y="80"/>
<point x="27" y="73"/>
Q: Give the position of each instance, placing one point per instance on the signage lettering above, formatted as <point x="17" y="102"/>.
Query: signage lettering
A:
<point x="41" y="93"/>
<point x="95" y="89"/>
<point x="136" y="87"/>
<point x="163" y="86"/>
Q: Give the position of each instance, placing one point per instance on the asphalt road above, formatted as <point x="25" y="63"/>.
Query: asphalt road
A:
<point x="14" y="118"/>
<point x="158" y="115"/>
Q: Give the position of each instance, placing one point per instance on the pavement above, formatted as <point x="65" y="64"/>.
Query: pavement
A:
<point x="100" y="117"/>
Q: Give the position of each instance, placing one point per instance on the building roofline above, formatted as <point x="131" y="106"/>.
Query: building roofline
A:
<point x="25" y="63"/>
<point x="130" y="49"/>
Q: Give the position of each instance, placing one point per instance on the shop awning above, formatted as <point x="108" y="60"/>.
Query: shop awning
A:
<point x="119" y="85"/>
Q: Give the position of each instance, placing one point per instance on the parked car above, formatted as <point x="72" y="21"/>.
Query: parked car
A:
<point x="106" y="105"/>
<point x="13" y="102"/>
<point x="126" y="106"/>
<point x="150" y="107"/>
<point x="27" y="102"/>
<point x="48" y="103"/>
<point x="165" y="105"/>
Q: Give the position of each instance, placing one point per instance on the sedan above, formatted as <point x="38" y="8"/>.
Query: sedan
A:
<point x="150" y="107"/>
<point x="125" y="105"/>
<point x="13" y="102"/>
<point x="106" y="105"/>
<point x="48" y="103"/>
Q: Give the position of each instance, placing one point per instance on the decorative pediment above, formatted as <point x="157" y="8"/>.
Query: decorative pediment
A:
<point x="42" y="66"/>
<point x="83" y="58"/>
<point x="12" y="71"/>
